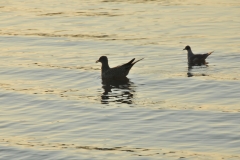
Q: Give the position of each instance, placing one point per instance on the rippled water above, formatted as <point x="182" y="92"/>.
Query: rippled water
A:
<point x="54" y="104"/>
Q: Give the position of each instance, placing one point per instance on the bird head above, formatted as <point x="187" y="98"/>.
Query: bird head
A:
<point x="187" y="48"/>
<point x="102" y="59"/>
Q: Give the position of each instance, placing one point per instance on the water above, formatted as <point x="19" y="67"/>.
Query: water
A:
<point x="54" y="104"/>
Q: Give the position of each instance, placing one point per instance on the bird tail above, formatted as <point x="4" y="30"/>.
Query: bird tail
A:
<point x="210" y="52"/>
<point x="137" y="61"/>
<point x="130" y="62"/>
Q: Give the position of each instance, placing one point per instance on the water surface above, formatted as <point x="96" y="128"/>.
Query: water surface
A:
<point x="54" y="104"/>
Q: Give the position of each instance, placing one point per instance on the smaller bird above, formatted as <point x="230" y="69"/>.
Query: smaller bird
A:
<point x="196" y="59"/>
<point x="118" y="72"/>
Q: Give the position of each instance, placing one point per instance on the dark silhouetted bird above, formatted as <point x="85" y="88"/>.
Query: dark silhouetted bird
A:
<point x="118" y="72"/>
<point x="196" y="59"/>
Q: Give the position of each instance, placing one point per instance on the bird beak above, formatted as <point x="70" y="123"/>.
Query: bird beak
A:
<point x="184" y="49"/>
<point x="97" y="61"/>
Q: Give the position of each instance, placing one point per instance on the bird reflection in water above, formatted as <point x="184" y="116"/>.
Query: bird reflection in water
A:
<point x="117" y="91"/>
<point x="191" y="66"/>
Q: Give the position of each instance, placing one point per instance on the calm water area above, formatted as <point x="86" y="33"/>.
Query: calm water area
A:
<point x="54" y="105"/>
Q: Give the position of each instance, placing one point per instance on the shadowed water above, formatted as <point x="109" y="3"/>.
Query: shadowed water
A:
<point x="54" y="104"/>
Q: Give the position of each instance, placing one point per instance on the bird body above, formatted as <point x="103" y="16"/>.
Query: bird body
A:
<point x="120" y="71"/>
<point x="194" y="59"/>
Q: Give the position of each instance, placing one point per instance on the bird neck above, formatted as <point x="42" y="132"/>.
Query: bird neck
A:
<point x="105" y="67"/>
<point x="190" y="53"/>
